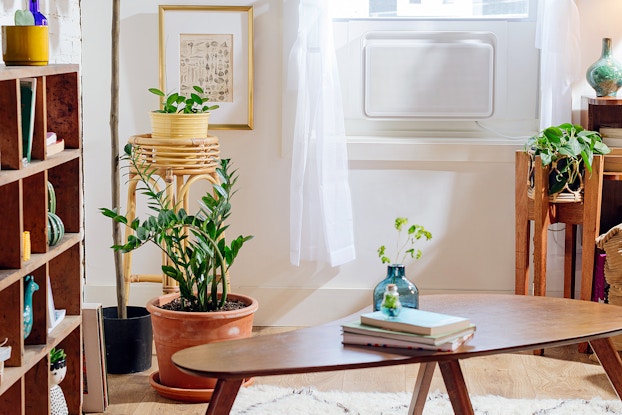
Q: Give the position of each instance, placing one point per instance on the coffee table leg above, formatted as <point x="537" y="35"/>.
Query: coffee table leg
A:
<point x="422" y="387"/>
<point x="456" y="388"/>
<point x="223" y="397"/>
<point x="610" y="361"/>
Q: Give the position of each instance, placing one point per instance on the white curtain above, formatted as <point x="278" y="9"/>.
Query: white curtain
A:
<point x="558" y="37"/>
<point x="321" y="225"/>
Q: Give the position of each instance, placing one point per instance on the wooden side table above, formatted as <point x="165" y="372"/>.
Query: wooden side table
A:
<point x="544" y="213"/>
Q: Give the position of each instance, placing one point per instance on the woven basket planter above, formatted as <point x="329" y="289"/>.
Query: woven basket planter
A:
<point x="179" y="126"/>
<point x="571" y="192"/>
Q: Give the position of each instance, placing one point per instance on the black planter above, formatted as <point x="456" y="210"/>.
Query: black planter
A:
<point x="128" y="341"/>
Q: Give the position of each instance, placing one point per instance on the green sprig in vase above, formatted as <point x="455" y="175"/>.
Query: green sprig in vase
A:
<point x="605" y="75"/>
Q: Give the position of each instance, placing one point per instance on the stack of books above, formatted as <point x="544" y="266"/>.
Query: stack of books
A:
<point x="412" y="329"/>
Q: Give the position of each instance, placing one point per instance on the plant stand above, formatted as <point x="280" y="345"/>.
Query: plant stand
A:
<point x="180" y="163"/>
<point x="543" y="213"/>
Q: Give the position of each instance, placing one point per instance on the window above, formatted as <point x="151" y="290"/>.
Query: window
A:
<point x="442" y="68"/>
<point x="433" y="8"/>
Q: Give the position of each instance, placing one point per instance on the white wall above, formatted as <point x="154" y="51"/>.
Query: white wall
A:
<point x="462" y="192"/>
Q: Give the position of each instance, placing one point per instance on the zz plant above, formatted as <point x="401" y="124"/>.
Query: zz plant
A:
<point x="199" y="256"/>
<point x="176" y="103"/>
<point x="568" y="148"/>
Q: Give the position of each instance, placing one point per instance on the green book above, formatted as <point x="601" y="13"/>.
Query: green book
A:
<point x="416" y="321"/>
<point x="27" y="91"/>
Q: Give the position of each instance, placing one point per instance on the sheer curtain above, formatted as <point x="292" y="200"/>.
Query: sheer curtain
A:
<point x="321" y="225"/>
<point x="558" y="37"/>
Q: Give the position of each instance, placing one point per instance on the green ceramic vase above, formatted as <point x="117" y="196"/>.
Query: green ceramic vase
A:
<point x="605" y="75"/>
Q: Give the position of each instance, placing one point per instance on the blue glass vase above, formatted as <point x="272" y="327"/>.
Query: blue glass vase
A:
<point x="40" y="19"/>
<point x="408" y="292"/>
<point x="605" y="75"/>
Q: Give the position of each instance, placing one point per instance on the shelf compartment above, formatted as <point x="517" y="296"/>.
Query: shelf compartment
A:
<point x="11" y="229"/>
<point x="63" y="107"/>
<point x="67" y="290"/>
<point x="10" y="128"/>
<point x="66" y="180"/>
<point x="34" y="190"/>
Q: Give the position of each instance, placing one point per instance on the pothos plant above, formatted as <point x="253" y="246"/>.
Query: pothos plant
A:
<point x="199" y="255"/>
<point x="405" y="243"/>
<point x="176" y="103"/>
<point x="568" y="148"/>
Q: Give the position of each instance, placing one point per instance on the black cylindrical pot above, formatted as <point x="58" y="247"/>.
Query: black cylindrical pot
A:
<point x="128" y="341"/>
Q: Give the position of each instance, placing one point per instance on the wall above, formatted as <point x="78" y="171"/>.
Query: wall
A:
<point x="461" y="190"/>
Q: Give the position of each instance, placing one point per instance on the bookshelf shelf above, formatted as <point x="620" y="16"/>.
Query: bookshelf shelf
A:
<point x="23" y="190"/>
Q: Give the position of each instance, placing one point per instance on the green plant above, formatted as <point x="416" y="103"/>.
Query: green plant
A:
<point x="199" y="256"/>
<point x="175" y="103"/>
<point x="56" y="355"/>
<point x="405" y="247"/>
<point x="568" y="147"/>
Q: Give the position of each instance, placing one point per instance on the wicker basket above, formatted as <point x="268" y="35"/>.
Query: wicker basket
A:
<point x="611" y="243"/>
<point x="182" y="156"/>
<point x="571" y="193"/>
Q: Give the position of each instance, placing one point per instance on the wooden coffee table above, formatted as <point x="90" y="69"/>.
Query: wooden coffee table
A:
<point x="505" y="323"/>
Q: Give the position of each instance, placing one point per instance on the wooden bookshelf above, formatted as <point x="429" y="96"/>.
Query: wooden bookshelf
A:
<point x="23" y="191"/>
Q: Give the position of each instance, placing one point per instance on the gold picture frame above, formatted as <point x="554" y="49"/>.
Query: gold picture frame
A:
<point x="210" y="46"/>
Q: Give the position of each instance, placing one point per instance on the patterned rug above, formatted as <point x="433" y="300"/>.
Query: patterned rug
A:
<point x="271" y="400"/>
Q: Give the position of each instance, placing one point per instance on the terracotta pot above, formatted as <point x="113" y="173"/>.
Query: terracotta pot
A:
<point x="177" y="330"/>
<point x="164" y="126"/>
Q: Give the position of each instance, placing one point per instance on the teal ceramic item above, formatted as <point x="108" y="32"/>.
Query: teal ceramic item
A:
<point x="30" y="286"/>
<point x="605" y="75"/>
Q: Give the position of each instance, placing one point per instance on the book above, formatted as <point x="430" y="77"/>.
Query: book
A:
<point x="28" y="89"/>
<point x="95" y="381"/>
<point x="411" y="320"/>
<point x="55" y="148"/>
<point x="358" y="328"/>
<point x="363" y="340"/>
<point x="55" y="316"/>
<point x="50" y="138"/>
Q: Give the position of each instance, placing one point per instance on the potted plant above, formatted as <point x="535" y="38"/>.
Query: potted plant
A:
<point x="26" y="43"/>
<point x="198" y="258"/>
<point x="181" y="116"/>
<point x="404" y="250"/>
<point x="127" y="329"/>
<point x="569" y="150"/>
<point x="58" y="370"/>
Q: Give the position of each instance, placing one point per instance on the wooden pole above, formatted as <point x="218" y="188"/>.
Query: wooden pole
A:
<point x="114" y="148"/>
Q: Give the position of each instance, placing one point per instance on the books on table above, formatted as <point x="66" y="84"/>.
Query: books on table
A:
<point x="356" y="327"/>
<point x="363" y="340"/>
<point x="412" y="329"/>
<point x="416" y="321"/>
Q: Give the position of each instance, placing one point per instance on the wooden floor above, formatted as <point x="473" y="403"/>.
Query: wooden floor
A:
<point x="560" y="373"/>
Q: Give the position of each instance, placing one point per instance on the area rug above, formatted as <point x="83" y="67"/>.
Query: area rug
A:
<point x="271" y="400"/>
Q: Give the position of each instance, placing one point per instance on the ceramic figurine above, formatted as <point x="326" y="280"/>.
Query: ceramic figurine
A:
<point x="30" y="286"/>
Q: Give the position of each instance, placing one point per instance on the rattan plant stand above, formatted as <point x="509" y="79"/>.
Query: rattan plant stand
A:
<point x="180" y="163"/>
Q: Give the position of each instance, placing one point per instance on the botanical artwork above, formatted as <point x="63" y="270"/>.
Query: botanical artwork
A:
<point x="207" y="61"/>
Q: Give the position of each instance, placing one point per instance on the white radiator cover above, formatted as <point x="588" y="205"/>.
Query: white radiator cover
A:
<point x="433" y="75"/>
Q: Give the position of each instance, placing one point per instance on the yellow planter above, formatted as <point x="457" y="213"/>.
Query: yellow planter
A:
<point x="25" y="45"/>
<point x="165" y="125"/>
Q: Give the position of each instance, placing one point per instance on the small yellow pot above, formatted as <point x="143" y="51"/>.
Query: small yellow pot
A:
<point x="25" y="45"/>
<point x="165" y="125"/>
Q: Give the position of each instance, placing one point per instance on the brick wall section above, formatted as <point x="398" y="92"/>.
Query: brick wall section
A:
<point x="64" y="22"/>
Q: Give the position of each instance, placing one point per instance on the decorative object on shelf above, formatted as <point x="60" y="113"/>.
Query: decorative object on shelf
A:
<point x="391" y="305"/>
<point x="39" y="18"/>
<point x="181" y="116"/>
<point x="26" y="242"/>
<point x="58" y="370"/>
<point x="199" y="258"/>
<point x="26" y="43"/>
<point x="28" y="94"/>
<point x="568" y="149"/>
<point x="605" y="75"/>
<point x="219" y="42"/>
<point x="56" y="228"/>
<point x="30" y="286"/>
<point x="408" y="292"/>
<point x="5" y="354"/>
